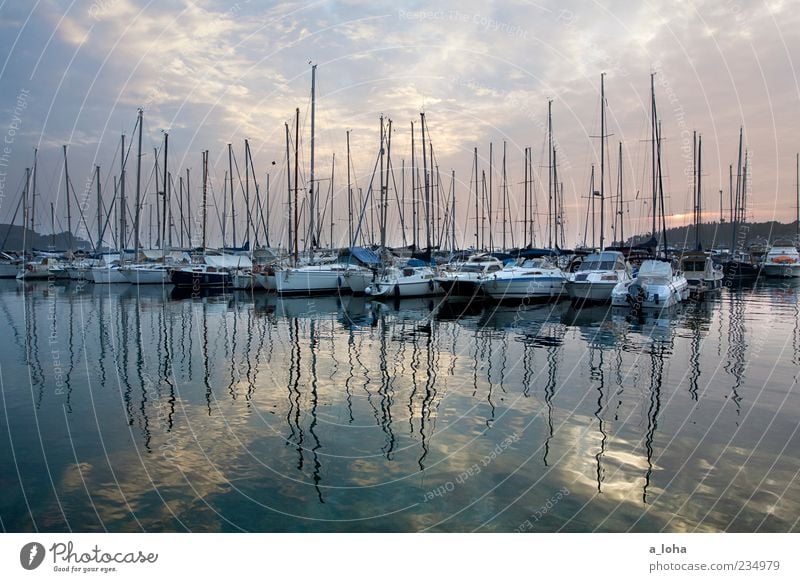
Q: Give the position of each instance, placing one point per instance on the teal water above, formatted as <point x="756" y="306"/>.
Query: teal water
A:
<point x="127" y="410"/>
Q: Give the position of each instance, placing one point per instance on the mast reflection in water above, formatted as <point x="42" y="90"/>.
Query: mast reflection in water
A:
<point x="130" y="410"/>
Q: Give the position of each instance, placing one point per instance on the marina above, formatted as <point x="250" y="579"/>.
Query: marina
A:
<point x="462" y="269"/>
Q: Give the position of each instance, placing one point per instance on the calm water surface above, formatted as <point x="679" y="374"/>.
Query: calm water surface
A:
<point x="124" y="409"/>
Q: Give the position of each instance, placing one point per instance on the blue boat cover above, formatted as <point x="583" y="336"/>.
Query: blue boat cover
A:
<point x="365" y="256"/>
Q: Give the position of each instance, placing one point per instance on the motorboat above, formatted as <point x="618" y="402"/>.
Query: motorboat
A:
<point x="463" y="278"/>
<point x="782" y="261"/>
<point x="597" y="276"/>
<point x="702" y="273"/>
<point x="656" y="286"/>
<point x="535" y="278"/>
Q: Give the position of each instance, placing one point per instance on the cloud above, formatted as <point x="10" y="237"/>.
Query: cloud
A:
<point x="215" y="73"/>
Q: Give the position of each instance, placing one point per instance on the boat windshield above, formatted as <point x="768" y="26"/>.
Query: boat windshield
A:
<point x="533" y="263"/>
<point x="693" y="266"/>
<point x="597" y="266"/>
<point x="471" y="268"/>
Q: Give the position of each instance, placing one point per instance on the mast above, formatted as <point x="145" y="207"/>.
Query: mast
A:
<point x="33" y="191"/>
<point x="490" y="196"/>
<point x="314" y="204"/>
<point x="699" y="191"/>
<point x="69" y="203"/>
<point x="427" y="185"/>
<point x="477" y="211"/>
<point x="525" y="202"/>
<point x="414" y="229"/>
<point x="137" y="214"/>
<point x="730" y="190"/>
<point x="350" y="194"/>
<point x="188" y="208"/>
<point x="289" y="192"/>
<point x="556" y="201"/>
<point x="453" y="211"/>
<point x="388" y="136"/>
<point x="99" y="210"/>
<point x="694" y="186"/>
<point x="205" y="197"/>
<point x="550" y="185"/>
<point x="483" y="208"/>
<point x="621" y="208"/>
<point x="382" y="198"/>
<point x="25" y="194"/>
<point x="589" y="209"/>
<point x="266" y="226"/>
<point x="531" y="199"/>
<point x="653" y="144"/>
<point x="233" y="212"/>
<point x="333" y="168"/>
<point x="247" y="190"/>
<point x="403" y="200"/>
<point x="661" y="190"/>
<point x="296" y="177"/>
<point x="602" y="158"/>
<point x="737" y="201"/>
<point x="180" y="209"/>
<point x="505" y="196"/>
<point x="167" y="212"/>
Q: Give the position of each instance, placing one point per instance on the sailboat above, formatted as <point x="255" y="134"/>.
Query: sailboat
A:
<point x="599" y="273"/>
<point x="317" y="276"/>
<point x="656" y="285"/>
<point x="701" y="272"/>
<point x="740" y="268"/>
<point x="414" y="279"/>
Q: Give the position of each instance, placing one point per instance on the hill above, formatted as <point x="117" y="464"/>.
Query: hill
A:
<point x="715" y="235"/>
<point x="12" y="238"/>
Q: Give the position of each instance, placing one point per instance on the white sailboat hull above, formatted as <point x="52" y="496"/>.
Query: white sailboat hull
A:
<point x="312" y="280"/>
<point x="415" y="286"/>
<point x="108" y="275"/>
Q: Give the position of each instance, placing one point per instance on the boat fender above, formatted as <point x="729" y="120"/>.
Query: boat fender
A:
<point x="397" y="290"/>
<point x="430" y="284"/>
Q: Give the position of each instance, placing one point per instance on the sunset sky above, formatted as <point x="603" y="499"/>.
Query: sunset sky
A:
<point x="213" y="73"/>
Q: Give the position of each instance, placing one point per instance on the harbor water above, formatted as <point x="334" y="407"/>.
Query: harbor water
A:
<point x="126" y="409"/>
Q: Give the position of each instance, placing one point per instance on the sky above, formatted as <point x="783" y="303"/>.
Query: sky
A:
<point x="75" y="72"/>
